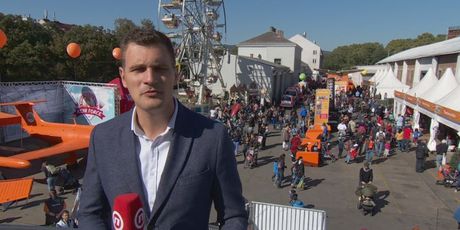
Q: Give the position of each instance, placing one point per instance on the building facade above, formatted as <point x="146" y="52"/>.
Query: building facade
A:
<point x="311" y="54"/>
<point x="273" y="47"/>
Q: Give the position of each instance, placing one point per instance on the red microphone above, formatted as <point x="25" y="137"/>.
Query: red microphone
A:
<point x="128" y="213"/>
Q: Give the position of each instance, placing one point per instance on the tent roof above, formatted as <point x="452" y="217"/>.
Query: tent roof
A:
<point x="451" y="99"/>
<point x="376" y="76"/>
<point x="444" y="86"/>
<point x="390" y="81"/>
<point x="425" y="84"/>
<point x="436" y="49"/>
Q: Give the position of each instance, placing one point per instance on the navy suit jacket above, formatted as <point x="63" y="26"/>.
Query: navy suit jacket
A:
<point x="200" y="168"/>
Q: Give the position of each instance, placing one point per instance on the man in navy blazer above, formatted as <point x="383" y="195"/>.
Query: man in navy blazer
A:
<point x="176" y="160"/>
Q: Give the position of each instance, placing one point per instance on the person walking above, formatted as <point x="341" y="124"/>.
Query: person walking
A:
<point x="281" y="167"/>
<point x="441" y="150"/>
<point x="370" y="150"/>
<point x="421" y="152"/>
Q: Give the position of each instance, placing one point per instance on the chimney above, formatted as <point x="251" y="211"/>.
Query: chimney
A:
<point x="46" y="14"/>
<point x="304" y="34"/>
<point x="279" y="33"/>
<point x="453" y="32"/>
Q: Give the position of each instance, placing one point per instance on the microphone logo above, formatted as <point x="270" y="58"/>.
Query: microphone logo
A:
<point x="139" y="219"/>
<point x="117" y="221"/>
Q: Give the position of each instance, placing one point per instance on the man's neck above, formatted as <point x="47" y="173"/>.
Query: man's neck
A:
<point x="153" y="123"/>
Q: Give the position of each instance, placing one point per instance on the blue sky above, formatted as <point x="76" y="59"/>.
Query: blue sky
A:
<point x="329" y="22"/>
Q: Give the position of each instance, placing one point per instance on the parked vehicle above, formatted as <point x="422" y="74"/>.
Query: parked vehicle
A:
<point x="295" y="92"/>
<point x="287" y="101"/>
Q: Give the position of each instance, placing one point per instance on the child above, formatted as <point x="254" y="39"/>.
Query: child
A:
<point x="386" y="153"/>
<point x="352" y="154"/>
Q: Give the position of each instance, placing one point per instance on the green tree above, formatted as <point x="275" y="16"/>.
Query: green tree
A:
<point x="345" y="57"/>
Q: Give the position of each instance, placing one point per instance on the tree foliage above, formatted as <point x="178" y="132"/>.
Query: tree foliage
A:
<point x="345" y="57"/>
<point x="37" y="51"/>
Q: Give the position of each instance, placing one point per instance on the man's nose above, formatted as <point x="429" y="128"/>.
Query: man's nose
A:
<point x="149" y="76"/>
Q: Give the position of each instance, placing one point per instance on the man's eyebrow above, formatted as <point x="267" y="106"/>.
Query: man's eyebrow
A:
<point x="133" y="67"/>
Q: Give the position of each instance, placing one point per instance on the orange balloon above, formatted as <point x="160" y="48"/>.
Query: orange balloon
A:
<point x="116" y="53"/>
<point x="3" y="39"/>
<point x="73" y="50"/>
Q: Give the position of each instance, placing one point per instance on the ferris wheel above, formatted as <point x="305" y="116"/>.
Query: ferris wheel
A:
<point x="196" y="28"/>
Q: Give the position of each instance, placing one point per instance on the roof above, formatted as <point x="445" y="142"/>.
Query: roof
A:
<point x="302" y="41"/>
<point x="444" y="86"/>
<point x="265" y="62"/>
<point x="425" y="84"/>
<point x="436" y="49"/>
<point x="268" y="38"/>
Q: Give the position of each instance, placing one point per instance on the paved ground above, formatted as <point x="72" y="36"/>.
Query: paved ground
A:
<point x="406" y="198"/>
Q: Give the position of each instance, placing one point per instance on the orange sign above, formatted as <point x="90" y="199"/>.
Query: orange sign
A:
<point x="322" y="106"/>
<point x="341" y="86"/>
<point x="411" y="99"/>
<point x="399" y="94"/>
<point x="449" y="113"/>
<point x="427" y="105"/>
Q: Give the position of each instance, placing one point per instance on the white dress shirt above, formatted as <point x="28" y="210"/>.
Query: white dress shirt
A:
<point x="152" y="155"/>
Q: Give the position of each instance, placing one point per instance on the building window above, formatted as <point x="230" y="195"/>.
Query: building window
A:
<point x="314" y="52"/>
<point x="277" y="61"/>
<point x="314" y="60"/>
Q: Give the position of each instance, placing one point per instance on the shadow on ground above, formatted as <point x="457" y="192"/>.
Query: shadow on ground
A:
<point x="380" y="200"/>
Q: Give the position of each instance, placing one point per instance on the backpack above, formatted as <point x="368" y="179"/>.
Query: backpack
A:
<point x="53" y="170"/>
<point x="381" y="136"/>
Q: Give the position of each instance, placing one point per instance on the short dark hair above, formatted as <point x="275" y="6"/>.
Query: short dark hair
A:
<point x="146" y="37"/>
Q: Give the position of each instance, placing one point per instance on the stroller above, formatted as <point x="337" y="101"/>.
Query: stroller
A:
<point x="366" y="201"/>
<point x="447" y="177"/>
<point x="326" y="153"/>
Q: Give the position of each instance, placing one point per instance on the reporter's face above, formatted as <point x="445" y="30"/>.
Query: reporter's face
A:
<point x="149" y="75"/>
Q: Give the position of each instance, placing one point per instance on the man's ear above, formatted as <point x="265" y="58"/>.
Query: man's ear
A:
<point x="121" y="71"/>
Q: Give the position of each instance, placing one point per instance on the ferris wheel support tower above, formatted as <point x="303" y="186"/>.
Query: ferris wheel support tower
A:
<point x="195" y="28"/>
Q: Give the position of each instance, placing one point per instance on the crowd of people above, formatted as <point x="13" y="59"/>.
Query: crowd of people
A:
<point x="366" y="131"/>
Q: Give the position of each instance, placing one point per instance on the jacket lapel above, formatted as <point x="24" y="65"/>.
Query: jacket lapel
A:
<point x="177" y="157"/>
<point x="128" y="161"/>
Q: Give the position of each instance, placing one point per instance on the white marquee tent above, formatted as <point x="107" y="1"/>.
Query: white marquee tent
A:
<point x="425" y="84"/>
<point x="451" y="100"/>
<point x="388" y="84"/>
<point x="445" y="85"/>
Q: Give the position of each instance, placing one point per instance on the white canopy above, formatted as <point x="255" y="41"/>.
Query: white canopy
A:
<point x="451" y="100"/>
<point x="425" y="84"/>
<point x="376" y="75"/>
<point x="388" y="84"/>
<point x="444" y="86"/>
<point x="356" y="77"/>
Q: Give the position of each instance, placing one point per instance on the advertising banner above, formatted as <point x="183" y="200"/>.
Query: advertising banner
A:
<point x="90" y="104"/>
<point x="341" y="87"/>
<point x="322" y="106"/>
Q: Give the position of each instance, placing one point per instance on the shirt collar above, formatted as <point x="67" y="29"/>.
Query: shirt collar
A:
<point x="171" y="124"/>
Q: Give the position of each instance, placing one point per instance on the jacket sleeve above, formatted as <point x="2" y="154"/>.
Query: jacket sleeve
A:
<point x="227" y="189"/>
<point x="94" y="210"/>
